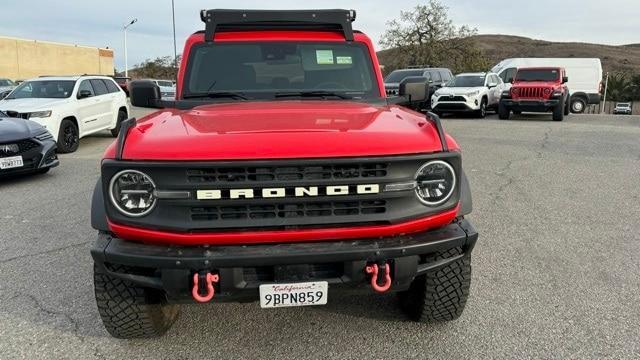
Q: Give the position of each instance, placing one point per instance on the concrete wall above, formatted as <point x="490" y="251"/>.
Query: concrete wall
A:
<point x="23" y="59"/>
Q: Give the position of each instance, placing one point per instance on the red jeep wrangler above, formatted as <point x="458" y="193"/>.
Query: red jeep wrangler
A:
<point x="537" y="90"/>
<point x="280" y="173"/>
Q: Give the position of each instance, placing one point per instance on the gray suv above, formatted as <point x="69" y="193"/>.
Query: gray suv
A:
<point x="436" y="77"/>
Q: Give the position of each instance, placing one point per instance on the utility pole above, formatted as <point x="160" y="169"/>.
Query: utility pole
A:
<point x="126" y="63"/>
<point x="604" y="100"/>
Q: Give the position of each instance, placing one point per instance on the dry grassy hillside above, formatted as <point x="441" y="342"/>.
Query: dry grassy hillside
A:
<point x="625" y="58"/>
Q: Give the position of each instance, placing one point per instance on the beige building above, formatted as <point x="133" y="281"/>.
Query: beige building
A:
<point x="23" y="59"/>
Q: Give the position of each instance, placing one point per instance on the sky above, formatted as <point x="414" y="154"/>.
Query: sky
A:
<point x="99" y="23"/>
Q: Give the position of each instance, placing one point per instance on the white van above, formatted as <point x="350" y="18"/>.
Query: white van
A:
<point x="585" y="76"/>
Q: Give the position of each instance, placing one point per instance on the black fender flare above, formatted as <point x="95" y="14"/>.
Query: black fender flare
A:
<point x="98" y="210"/>
<point x="466" y="203"/>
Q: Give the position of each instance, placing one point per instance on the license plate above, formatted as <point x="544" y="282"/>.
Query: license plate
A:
<point x="11" y="162"/>
<point x="296" y="294"/>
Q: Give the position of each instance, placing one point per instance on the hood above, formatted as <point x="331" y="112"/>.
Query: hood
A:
<point x="5" y="88"/>
<point x="30" y="104"/>
<point x="12" y="129"/>
<point x="458" y="90"/>
<point x="542" y="84"/>
<point x="279" y="130"/>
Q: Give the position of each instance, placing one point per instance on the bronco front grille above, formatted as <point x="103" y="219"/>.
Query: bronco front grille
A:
<point x="287" y="173"/>
<point x="288" y="210"/>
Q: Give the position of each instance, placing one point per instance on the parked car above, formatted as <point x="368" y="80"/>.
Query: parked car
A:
<point x="167" y="89"/>
<point x="585" y="77"/>
<point x="6" y="85"/>
<point x="469" y="92"/>
<point x="537" y="90"/>
<point x="123" y="82"/>
<point x="280" y="184"/>
<point x="70" y="107"/>
<point x="622" y="109"/>
<point x="436" y="77"/>
<point x="25" y="147"/>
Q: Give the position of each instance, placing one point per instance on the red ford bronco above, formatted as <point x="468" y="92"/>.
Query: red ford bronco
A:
<point x="536" y="90"/>
<point x="281" y="173"/>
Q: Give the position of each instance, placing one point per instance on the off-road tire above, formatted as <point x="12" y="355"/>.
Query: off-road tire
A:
<point x="440" y="295"/>
<point x="122" y="116"/>
<point x="482" y="112"/>
<point x="129" y="311"/>
<point x="558" y="112"/>
<point x="68" y="137"/>
<point x="567" y="107"/>
<point x="503" y="112"/>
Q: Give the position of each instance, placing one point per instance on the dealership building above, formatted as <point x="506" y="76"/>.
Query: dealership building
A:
<point x="23" y="59"/>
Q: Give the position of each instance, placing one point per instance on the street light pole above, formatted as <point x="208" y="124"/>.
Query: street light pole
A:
<point x="126" y="63"/>
<point x="175" y="48"/>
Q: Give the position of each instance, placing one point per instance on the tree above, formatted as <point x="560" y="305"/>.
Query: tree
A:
<point x="158" y="68"/>
<point x="426" y="36"/>
<point x="619" y="88"/>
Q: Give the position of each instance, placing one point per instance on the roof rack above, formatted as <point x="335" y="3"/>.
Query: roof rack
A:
<point x="336" y="19"/>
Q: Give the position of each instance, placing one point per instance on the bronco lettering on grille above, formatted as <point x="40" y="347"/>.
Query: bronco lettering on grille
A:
<point x="281" y="192"/>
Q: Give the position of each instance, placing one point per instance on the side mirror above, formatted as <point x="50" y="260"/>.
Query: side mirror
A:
<point x="565" y="79"/>
<point x="145" y="93"/>
<point x="83" y="94"/>
<point x="492" y="85"/>
<point x="414" y="88"/>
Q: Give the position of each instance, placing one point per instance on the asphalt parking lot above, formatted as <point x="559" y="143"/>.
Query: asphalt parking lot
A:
<point x="556" y="272"/>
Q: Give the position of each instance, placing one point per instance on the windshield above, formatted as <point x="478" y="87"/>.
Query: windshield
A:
<point x="466" y="81"/>
<point x="265" y="69"/>
<point x="399" y="75"/>
<point x="624" y="105"/>
<point x="54" y="89"/>
<point x="537" y="75"/>
<point x="6" y="82"/>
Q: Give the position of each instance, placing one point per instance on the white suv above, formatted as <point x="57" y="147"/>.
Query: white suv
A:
<point x="469" y="92"/>
<point x="70" y="107"/>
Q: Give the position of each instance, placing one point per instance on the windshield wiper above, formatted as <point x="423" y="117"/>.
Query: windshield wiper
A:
<point x="318" y="93"/>
<point x="217" y="94"/>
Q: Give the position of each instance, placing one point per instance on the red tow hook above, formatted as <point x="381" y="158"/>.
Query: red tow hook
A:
<point x="373" y="270"/>
<point x="209" y="278"/>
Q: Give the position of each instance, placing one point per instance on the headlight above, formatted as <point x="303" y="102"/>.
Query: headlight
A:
<point x="473" y="93"/>
<point x="40" y="114"/>
<point x="556" y="93"/>
<point x="132" y="192"/>
<point x="436" y="181"/>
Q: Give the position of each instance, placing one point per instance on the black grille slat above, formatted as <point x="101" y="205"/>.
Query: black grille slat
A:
<point x="288" y="210"/>
<point x="286" y="173"/>
<point x="23" y="147"/>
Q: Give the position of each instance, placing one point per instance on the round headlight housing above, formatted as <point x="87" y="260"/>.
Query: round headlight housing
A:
<point x="435" y="181"/>
<point x="132" y="192"/>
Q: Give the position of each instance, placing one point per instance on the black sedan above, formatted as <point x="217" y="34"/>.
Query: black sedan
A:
<point x="25" y="147"/>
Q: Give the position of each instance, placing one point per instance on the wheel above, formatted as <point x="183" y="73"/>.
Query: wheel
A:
<point x="558" y="112"/>
<point x="578" y="105"/>
<point x="440" y="295"/>
<point x="68" y="137"/>
<point x="122" y="116"/>
<point x="129" y="311"/>
<point x="503" y="112"/>
<point x="482" y="112"/>
<point x="567" y="107"/>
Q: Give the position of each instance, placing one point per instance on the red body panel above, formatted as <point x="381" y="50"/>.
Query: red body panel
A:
<point x="258" y="237"/>
<point x="280" y="130"/>
<point x="536" y="90"/>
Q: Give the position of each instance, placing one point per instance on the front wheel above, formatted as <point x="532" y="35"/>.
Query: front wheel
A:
<point x="442" y="294"/>
<point x="503" y="112"/>
<point x="68" y="137"/>
<point x="482" y="112"/>
<point x="567" y="107"/>
<point x="129" y="311"/>
<point x="558" y="112"/>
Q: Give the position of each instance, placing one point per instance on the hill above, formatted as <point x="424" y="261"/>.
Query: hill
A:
<point x="623" y="58"/>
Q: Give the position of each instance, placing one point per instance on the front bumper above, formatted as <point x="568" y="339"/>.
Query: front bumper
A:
<point x="242" y="269"/>
<point x="38" y="158"/>
<point x="531" y="105"/>
<point x="441" y="104"/>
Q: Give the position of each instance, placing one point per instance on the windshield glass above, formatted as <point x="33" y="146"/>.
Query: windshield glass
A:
<point x="624" y="105"/>
<point x="466" y="81"/>
<point x="537" y="75"/>
<point x="399" y="75"/>
<point x="54" y="89"/>
<point x="6" y="82"/>
<point x="265" y="69"/>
